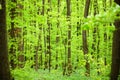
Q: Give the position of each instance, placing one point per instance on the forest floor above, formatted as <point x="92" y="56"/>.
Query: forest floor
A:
<point x="31" y="74"/>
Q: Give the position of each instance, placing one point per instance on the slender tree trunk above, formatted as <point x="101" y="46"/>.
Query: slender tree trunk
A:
<point x="69" y="36"/>
<point x="12" y="34"/>
<point x="39" y="55"/>
<point x="65" y="60"/>
<point x="39" y="59"/>
<point x="78" y="33"/>
<point x="105" y="34"/>
<point x="84" y="38"/>
<point x="57" y="36"/>
<point x="49" y="35"/>
<point x="96" y="35"/>
<point x="36" y="56"/>
<point x="45" y="41"/>
<point x="95" y="27"/>
<point x="19" y="37"/>
<point x="4" y="63"/>
<point x="42" y="13"/>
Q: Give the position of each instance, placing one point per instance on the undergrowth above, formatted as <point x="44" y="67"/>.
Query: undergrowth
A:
<point x="31" y="74"/>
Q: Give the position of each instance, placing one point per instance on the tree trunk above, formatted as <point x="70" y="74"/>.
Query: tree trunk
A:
<point x="95" y="36"/>
<point x="116" y="52"/>
<point x="12" y="36"/>
<point x="84" y="38"/>
<point x="117" y="1"/>
<point x="115" y="67"/>
<point x="49" y="35"/>
<point x="64" y="65"/>
<point x="78" y="33"/>
<point x="69" y="37"/>
<point x="4" y="63"/>
<point x="44" y="33"/>
<point x="57" y="35"/>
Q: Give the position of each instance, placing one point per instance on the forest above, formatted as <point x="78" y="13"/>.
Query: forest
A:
<point x="59" y="39"/>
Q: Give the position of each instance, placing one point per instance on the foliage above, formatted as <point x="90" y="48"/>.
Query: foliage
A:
<point x="37" y="23"/>
<point x="25" y="74"/>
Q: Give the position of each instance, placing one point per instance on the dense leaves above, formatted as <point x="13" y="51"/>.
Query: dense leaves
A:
<point x="46" y="36"/>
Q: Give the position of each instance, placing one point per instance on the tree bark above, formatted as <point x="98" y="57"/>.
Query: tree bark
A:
<point x="84" y="38"/>
<point x="44" y="33"/>
<point x="4" y="63"/>
<point x="115" y="67"/>
<point x="12" y="35"/>
<point x="69" y="36"/>
<point x="117" y="1"/>
<point x="116" y="52"/>
<point x="78" y="33"/>
<point x="49" y="35"/>
<point x="57" y="35"/>
<point x="95" y="36"/>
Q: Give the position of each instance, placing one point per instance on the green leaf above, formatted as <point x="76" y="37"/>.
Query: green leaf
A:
<point x="111" y="28"/>
<point x="85" y="26"/>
